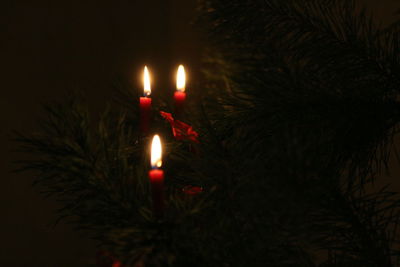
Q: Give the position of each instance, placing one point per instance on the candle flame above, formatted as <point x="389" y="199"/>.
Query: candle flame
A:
<point x="156" y="152"/>
<point x="146" y="82"/>
<point x="181" y="79"/>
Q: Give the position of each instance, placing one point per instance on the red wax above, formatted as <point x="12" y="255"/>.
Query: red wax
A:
<point x="157" y="187"/>
<point x="179" y="101"/>
<point x="145" y="114"/>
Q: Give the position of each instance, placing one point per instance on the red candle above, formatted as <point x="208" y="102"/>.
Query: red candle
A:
<point x="156" y="176"/>
<point x="145" y="114"/>
<point x="157" y="188"/>
<point x="180" y="94"/>
<point x="145" y="103"/>
<point x="179" y="102"/>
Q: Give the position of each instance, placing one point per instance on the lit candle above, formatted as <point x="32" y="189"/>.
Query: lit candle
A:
<point x="156" y="176"/>
<point x="145" y="102"/>
<point x="180" y="94"/>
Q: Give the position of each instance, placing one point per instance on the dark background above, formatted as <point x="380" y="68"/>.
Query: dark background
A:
<point x="52" y="47"/>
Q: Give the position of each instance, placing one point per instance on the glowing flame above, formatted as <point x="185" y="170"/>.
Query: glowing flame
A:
<point x="181" y="79"/>
<point x="146" y="82"/>
<point x="156" y="152"/>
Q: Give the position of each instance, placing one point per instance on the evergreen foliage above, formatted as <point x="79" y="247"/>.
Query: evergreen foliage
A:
<point x="297" y="119"/>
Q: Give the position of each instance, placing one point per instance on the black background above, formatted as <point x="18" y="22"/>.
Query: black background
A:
<point x="52" y="47"/>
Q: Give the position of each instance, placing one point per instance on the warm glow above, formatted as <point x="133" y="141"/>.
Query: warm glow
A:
<point x="156" y="152"/>
<point x="146" y="82"/>
<point x="181" y="79"/>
